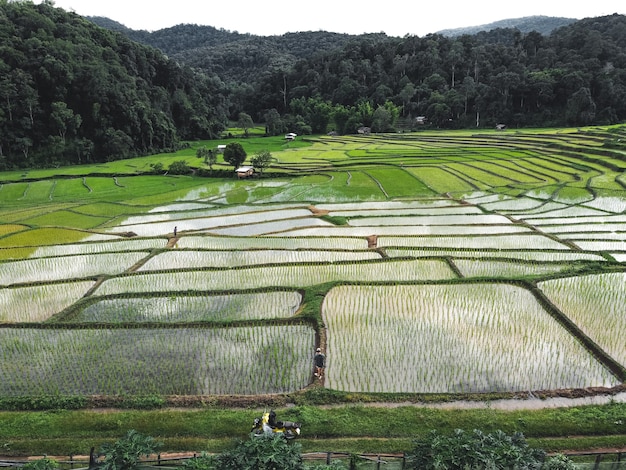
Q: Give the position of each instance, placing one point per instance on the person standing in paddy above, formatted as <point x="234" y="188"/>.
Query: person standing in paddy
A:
<point x="320" y="362"/>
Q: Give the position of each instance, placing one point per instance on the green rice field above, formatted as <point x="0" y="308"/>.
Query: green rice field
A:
<point x="427" y="263"/>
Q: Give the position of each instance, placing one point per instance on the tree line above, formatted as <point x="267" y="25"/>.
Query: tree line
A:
<point x="72" y="92"/>
<point x="575" y="75"/>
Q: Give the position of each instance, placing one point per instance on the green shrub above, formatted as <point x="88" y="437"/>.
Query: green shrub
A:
<point x="203" y="462"/>
<point x="559" y="462"/>
<point x="476" y="450"/>
<point x="336" y="465"/>
<point x="179" y="167"/>
<point x="41" y="464"/>
<point x="125" y="453"/>
<point x="262" y="453"/>
<point x="45" y="402"/>
<point x="148" y="402"/>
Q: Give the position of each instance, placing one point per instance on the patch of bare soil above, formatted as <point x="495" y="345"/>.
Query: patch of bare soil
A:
<point x="318" y="212"/>
<point x="372" y="241"/>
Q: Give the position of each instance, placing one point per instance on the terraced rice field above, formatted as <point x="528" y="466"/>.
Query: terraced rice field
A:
<point x="461" y="265"/>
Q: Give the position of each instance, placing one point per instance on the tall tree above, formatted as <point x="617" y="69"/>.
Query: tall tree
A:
<point x="245" y="123"/>
<point x="261" y="160"/>
<point x="234" y="154"/>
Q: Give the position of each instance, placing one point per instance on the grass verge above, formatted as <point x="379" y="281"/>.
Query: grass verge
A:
<point x="342" y="428"/>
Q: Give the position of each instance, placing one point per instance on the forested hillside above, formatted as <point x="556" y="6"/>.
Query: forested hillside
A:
<point x="541" y="24"/>
<point x="72" y="92"/>
<point x="574" y="76"/>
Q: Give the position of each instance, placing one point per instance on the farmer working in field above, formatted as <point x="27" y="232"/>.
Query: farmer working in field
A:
<point x="320" y="362"/>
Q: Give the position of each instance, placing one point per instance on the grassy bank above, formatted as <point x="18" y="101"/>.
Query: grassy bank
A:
<point x="345" y="428"/>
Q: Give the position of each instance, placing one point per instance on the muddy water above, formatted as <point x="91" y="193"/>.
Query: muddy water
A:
<point x="518" y="404"/>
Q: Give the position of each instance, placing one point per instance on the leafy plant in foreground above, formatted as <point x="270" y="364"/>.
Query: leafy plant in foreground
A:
<point x="559" y="462"/>
<point x="262" y="453"/>
<point x="202" y="462"/>
<point x="41" y="464"/>
<point x="474" y="450"/>
<point x="125" y="453"/>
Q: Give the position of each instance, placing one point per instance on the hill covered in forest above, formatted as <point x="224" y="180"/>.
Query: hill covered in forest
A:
<point x="541" y="24"/>
<point x="73" y="92"/>
<point x="533" y="71"/>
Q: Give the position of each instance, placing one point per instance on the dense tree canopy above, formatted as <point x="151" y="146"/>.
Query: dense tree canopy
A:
<point x="72" y="92"/>
<point x="574" y="76"/>
<point x="234" y="154"/>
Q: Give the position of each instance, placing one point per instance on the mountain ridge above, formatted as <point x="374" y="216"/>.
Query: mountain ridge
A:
<point x="539" y="23"/>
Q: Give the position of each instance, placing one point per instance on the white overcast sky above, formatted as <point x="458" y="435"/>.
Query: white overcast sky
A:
<point x="276" y="17"/>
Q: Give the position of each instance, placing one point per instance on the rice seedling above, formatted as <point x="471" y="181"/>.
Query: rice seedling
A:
<point x="358" y="187"/>
<point x="192" y="308"/>
<point x="67" y="267"/>
<point x="181" y="206"/>
<point x="107" y="209"/>
<point x="479" y="177"/>
<point x="198" y="259"/>
<point x="38" y="303"/>
<point x="450" y="338"/>
<point x="163" y="361"/>
<point x="592" y="229"/>
<point x="595" y="303"/>
<point x="11" y="228"/>
<point x="524" y="255"/>
<point x="595" y="236"/>
<point x="456" y="219"/>
<point x="573" y="195"/>
<point x="520" y="241"/>
<point x="507" y="269"/>
<point x="410" y="230"/>
<point x="278" y="276"/>
<point x="42" y="236"/>
<point x="372" y="207"/>
<point x="615" y="204"/>
<point x="572" y="214"/>
<point x="435" y="210"/>
<point x="103" y="246"/>
<point x="482" y="197"/>
<point x="216" y="217"/>
<point x="396" y="182"/>
<point x="68" y="217"/>
<point x="266" y="228"/>
<point x="603" y="245"/>
<point x="440" y="180"/>
<point x="269" y="243"/>
<point x="517" y="174"/>
<point x="513" y="205"/>
<point x="459" y="338"/>
<point x="15" y="253"/>
<point x="545" y="208"/>
<point x="247" y="224"/>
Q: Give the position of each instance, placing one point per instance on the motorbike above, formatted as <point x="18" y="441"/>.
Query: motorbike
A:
<point x="267" y="425"/>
